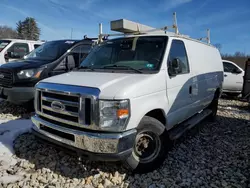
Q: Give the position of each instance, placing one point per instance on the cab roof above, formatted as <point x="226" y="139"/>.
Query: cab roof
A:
<point x="166" y="34"/>
<point x="21" y="40"/>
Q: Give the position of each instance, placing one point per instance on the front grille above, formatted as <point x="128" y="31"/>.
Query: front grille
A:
<point x="6" y="78"/>
<point x="75" y="110"/>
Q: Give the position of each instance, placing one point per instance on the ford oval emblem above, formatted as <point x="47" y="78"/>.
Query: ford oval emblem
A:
<point x="57" y="106"/>
<point x="1" y="76"/>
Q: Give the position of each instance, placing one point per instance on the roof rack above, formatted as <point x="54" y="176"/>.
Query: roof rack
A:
<point x="207" y="38"/>
<point x="127" y="27"/>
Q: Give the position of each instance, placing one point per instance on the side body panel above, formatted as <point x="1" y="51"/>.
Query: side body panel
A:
<point x="207" y="73"/>
<point x="188" y="94"/>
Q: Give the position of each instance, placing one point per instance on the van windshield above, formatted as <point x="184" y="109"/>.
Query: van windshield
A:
<point x="143" y="53"/>
<point x="50" y="50"/>
<point x="3" y="44"/>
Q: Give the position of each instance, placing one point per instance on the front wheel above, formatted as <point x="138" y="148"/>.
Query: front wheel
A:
<point x="150" y="147"/>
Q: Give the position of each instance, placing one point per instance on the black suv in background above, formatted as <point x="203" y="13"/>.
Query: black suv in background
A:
<point x="18" y="78"/>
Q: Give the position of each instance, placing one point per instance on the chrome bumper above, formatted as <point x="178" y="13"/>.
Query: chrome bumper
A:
<point x="94" y="142"/>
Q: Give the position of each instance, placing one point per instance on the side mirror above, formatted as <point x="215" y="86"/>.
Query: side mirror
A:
<point x="175" y="67"/>
<point x="176" y="63"/>
<point x="9" y="54"/>
<point x="6" y="56"/>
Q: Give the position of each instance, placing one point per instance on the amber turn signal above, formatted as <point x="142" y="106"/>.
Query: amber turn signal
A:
<point x="122" y="112"/>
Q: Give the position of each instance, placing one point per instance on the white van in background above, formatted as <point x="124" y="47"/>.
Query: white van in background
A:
<point x="13" y="49"/>
<point x="233" y="78"/>
<point x="131" y="96"/>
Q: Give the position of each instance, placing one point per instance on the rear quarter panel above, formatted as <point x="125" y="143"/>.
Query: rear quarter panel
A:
<point x="206" y="72"/>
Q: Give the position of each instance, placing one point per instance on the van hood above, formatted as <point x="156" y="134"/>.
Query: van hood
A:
<point x="24" y="64"/>
<point x="113" y="85"/>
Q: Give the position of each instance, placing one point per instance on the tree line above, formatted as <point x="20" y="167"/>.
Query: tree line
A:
<point x="25" y="29"/>
<point x="238" y="57"/>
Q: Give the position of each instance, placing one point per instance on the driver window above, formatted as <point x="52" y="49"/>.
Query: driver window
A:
<point x="74" y="58"/>
<point x="78" y="54"/>
<point x="18" y="50"/>
<point x="228" y="67"/>
<point x="178" y="51"/>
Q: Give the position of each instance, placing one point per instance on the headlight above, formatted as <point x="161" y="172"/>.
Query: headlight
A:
<point x="114" y="115"/>
<point x="29" y="73"/>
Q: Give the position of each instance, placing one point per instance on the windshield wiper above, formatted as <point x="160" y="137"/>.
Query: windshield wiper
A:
<point x="122" y="66"/>
<point x="86" y="67"/>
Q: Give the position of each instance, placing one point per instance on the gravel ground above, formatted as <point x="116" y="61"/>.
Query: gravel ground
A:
<point x="11" y="112"/>
<point x="210" y="155"/>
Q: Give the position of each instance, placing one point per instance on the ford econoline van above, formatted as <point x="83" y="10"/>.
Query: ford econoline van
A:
<point x="130" y="97"/>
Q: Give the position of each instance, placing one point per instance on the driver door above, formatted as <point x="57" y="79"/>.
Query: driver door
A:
<point x="232" y="81"/>
<point x="179" y="85"/>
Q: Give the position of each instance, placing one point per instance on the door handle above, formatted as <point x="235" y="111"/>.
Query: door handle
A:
<point x="190" y="89"/>
<point x="225" y="75"/>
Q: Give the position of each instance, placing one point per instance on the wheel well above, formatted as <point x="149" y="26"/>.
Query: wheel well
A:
<point x="157" y="114"/>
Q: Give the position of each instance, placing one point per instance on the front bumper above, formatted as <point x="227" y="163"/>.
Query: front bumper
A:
<point x="92" y="145"/>
<point x="17" y="95"/>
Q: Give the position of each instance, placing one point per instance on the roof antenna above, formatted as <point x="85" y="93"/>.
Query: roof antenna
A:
<point x="138" y="28"/>
<point x="208" y="36"/>
<point x="175" y="23"/>
<point x="100" y="34"/>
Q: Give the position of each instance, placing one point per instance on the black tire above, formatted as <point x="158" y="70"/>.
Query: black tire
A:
<point x="234" y="95"/>
<point x="29" y="106"/>
<point x="159" y="145"/>
<point x="214" y="107"/>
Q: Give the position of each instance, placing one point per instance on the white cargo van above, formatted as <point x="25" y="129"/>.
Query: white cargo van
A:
<point x="12" y="49"/>
<point x="131" y="97"/>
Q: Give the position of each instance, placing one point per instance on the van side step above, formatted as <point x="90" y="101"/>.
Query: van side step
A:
<point x="180" y="129"/>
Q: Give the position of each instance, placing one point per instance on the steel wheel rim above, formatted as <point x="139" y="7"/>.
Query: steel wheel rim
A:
<point x="147" y="146"/>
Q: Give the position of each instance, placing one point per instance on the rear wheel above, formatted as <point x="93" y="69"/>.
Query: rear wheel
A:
<point x="214" y="106"/>
<point x="150" y="147"/>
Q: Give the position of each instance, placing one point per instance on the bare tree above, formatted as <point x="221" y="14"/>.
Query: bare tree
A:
<point x="7" y="32"/>
<point x="239" y="54"/>
<point x="218" y="46"/>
